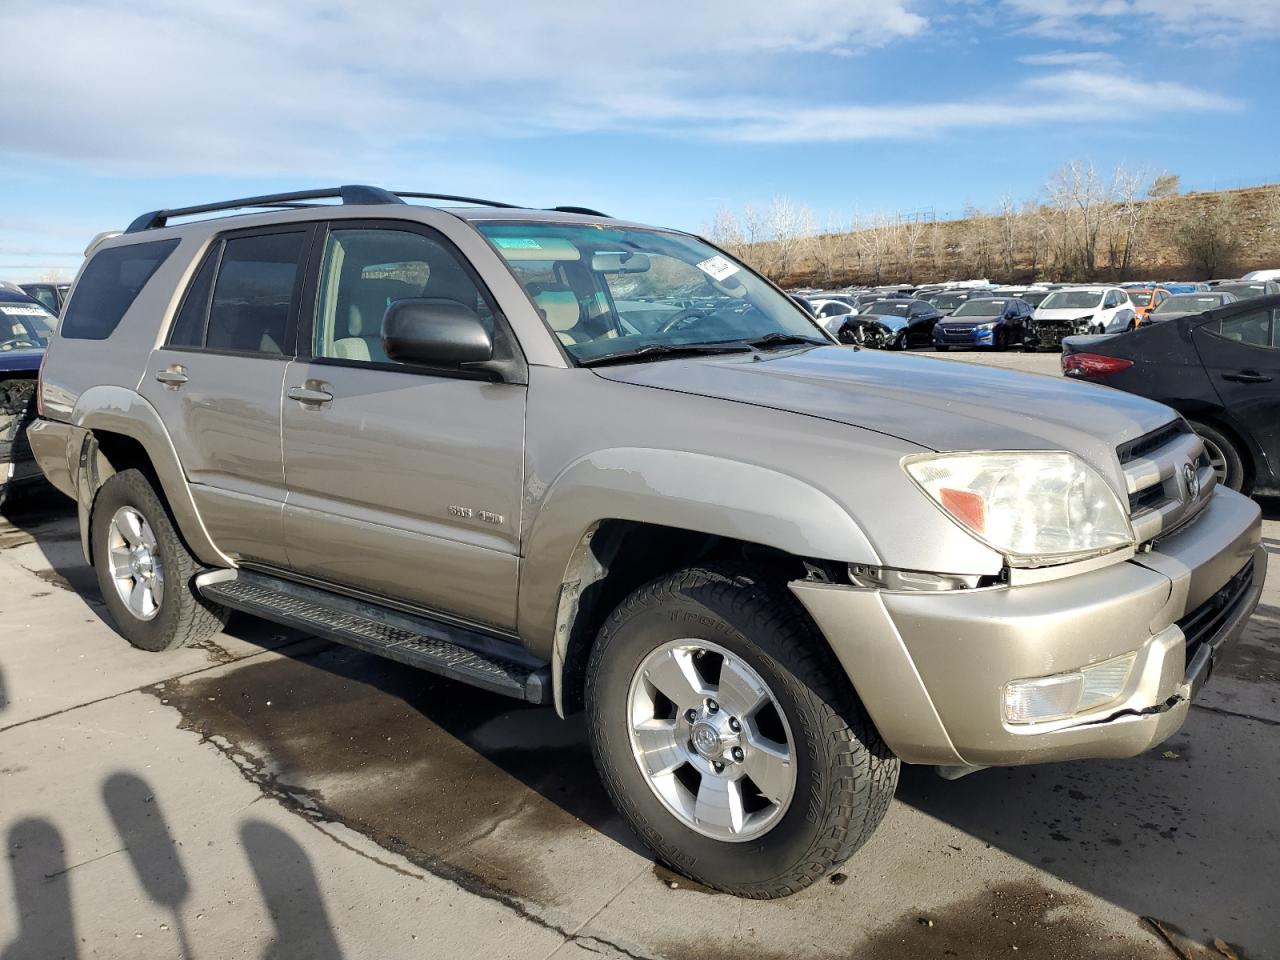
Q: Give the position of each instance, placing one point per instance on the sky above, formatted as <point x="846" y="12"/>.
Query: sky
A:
<point x="661" y="111"/>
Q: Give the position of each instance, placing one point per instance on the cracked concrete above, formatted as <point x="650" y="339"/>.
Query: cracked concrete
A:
<point x="273" y="795"/>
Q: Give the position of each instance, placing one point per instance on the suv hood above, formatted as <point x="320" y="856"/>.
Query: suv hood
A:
<point x="942" y="405"/>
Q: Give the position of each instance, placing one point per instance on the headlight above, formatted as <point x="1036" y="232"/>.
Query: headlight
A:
<point x="986" y="326"/>
<point x="1036" y="508"/>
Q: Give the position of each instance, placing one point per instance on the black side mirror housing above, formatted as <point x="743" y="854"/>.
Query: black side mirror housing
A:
<point x="440" y="333"/>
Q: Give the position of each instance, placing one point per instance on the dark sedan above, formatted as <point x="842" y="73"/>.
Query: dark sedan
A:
<point x="895" y="323"/>
<point x="1221" y="370"/>
<point x="996" y="322"/>
<point x="25" y="328"/>
<point x="1249" y="289"/>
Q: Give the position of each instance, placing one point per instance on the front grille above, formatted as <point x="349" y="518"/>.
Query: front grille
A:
<point x="1159" y="490"/>
<point x="1204" y="622"/>
<point x="1151" y="442"/>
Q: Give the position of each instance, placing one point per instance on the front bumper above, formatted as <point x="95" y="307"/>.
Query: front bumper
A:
<point x="930" y="667"/>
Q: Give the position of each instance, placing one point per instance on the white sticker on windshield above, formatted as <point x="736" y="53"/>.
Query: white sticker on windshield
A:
<point x="718" y="268"/>
<point x="18" y="310"/>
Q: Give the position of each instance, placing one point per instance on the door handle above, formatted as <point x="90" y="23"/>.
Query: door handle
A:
<point x="1246" y="376"/>
<point x="172" y="377"/>
<point x="309" y="396"/>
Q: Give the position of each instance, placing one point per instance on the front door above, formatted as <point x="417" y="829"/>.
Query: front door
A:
<point x="217" y="380"/>
<point x="403" y="482"/>
<point x="1240" y="349"/>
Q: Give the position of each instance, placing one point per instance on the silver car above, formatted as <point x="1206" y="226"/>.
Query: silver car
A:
<point x="606" y="467"/>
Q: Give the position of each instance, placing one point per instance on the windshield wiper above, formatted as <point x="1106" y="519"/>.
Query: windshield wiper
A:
<point x="784" y="340"/>
<point x="660" y="351"/>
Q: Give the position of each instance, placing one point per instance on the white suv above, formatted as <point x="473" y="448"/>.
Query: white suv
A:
<point x="1088" y="309"/>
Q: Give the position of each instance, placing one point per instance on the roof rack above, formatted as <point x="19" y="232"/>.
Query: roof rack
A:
<point x="348" y="193"/>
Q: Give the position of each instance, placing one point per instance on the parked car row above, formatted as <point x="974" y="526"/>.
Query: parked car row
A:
<point x="25" y="328"/>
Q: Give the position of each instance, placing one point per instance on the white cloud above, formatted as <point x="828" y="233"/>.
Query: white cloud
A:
<point x="1202" y="18"/>
<point x="1067" y="58"/>
<point x="396" y="91"/>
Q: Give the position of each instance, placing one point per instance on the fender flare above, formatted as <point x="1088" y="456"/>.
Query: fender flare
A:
<point x="678" y="489"/>
<point x="120" y="410"/>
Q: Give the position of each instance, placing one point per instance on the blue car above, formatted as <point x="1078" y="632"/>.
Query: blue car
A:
<point x="25" y="328"/>
<point x="992" y="322"/>
<point x="1187" y="287"/>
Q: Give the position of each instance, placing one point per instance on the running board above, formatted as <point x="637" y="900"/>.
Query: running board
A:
<point x="432" y="645"/>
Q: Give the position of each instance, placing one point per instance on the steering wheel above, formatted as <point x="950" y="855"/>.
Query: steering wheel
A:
<point x="682" y="319"/>
<point x="22" y="340"/>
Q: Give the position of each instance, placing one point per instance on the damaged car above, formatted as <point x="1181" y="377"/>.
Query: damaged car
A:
<point x="25" y="328"/>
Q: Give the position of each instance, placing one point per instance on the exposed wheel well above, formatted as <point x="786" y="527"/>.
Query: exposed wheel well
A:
<point x="616" y="557"/>
<point x="113" y="453"/>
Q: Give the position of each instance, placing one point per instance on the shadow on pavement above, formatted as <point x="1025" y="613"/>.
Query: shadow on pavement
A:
<point x="4" y="695"/>
<point x="145" y="835"/>
<point x="292" y="897"/>
<point x="42" y="897"/>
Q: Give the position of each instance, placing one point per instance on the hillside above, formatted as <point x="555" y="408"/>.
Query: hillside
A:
<point x="1096" y="239"/>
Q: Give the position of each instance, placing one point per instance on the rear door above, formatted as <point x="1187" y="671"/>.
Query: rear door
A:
<point x="217" y="384"/>
<point x="1240" y="349"/>
<point x="404" y="482"/>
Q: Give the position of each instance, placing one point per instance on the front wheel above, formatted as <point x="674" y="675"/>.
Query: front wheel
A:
<point x="145" y="570"/>
<point x="730" y="738"/>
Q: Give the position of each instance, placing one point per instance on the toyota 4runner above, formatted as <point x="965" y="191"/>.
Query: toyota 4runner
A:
<point x="607" y="467"/>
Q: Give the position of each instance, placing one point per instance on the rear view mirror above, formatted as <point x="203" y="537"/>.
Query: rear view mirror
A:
<point x="621" y="262"/>
<point x="435" y="333"/>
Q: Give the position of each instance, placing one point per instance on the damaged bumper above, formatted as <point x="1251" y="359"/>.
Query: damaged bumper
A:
<point x="932" y="667"/>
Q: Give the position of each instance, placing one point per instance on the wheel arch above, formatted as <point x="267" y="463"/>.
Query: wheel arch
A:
<point x="620" y="518"/>
<point x="122" y="430"/>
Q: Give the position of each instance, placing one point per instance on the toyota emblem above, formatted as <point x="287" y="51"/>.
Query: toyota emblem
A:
<point x="1192" y="480"/>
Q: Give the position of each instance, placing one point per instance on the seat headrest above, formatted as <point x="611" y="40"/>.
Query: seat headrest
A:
<point x="559" y="305"/>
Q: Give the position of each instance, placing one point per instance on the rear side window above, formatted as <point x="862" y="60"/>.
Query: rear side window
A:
<point x="188" y="327"/>
<point x="254" y="293"/>
<point x="108" y="286"/>
<point x="1253" y="328"/>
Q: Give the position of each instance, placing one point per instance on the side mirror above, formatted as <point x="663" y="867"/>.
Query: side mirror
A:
<point x="436" y="333"/>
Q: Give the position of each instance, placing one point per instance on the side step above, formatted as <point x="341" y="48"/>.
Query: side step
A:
<point x="433" y="645"/>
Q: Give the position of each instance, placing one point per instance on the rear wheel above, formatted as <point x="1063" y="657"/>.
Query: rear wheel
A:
<point x="1224" y="456"/>
<point x="144" y="569"/>
<point x="730" y="738"/>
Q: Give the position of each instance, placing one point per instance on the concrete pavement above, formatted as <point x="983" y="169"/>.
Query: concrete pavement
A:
<point x="271" y="795"/>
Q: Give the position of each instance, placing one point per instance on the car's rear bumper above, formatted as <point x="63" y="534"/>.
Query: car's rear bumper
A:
<point x="931" y="667"/>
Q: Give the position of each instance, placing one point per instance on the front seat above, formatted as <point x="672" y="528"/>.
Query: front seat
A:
<point x="369" y="301"/>
<point x="559" y="305"/>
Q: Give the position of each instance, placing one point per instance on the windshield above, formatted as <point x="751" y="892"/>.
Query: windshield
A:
<point x="981" y="308"/>
<point x="885" y="308"/>
<point x="1245" y="291"/>
<point x="619" y="291"/>
<point x="24" y="326"/>
<point x="1035" y="297"/>
<point x="1188" y="303"/>
<point x="1140" y="298"/>
<point x="948" y="301"/>
<point x="1072" y="300"/>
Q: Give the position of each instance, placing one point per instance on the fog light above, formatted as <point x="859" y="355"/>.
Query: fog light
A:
<point x="1066" y="694"/>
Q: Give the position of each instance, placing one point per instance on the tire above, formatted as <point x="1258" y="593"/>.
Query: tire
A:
<point x="842" y="774"/>
<point x="177" y="614"/>
<point x="1001" y="341"/>
<point x="1225" y="456"/>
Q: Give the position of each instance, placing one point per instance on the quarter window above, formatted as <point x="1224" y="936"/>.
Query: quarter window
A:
<point x="111" y="281"/>
<point x="188" y="327"/>
<point x="364" y="271"/>
<point x="254" y="294"/>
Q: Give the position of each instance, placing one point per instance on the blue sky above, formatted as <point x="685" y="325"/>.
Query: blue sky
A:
<point x="656" y="110"/>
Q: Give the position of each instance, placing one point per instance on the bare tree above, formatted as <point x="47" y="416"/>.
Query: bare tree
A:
<point x="725" y="232"/>
<point x="875" y="243"/>
<point x="911" y="235"/>
<point x="1211" y="241"/>
<point x="830" y="248"/>
<point x="1164" y="185"/>
<point x="1130" y="211"/>
<point x="1081" y="199"/>
<point x="1009" y="231"/>
<point x="790" y="226"/>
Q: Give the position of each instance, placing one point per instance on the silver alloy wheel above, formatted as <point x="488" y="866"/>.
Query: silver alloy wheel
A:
<point x="718" y="753"/>
<point x="135" y="563"/>
<point x="1217" y="459"/>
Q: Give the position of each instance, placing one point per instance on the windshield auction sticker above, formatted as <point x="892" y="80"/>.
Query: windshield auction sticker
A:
<point x="21" y="310"/>
<point x="718" y="268"/>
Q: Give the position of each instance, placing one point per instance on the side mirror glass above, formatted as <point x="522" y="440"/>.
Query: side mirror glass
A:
<point x="435" y="333"/>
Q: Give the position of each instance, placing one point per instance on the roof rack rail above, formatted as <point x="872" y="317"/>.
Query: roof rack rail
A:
<point x="348" y="193"/>
<point x="456" y="199"/>
<point x="587" y="211"/>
